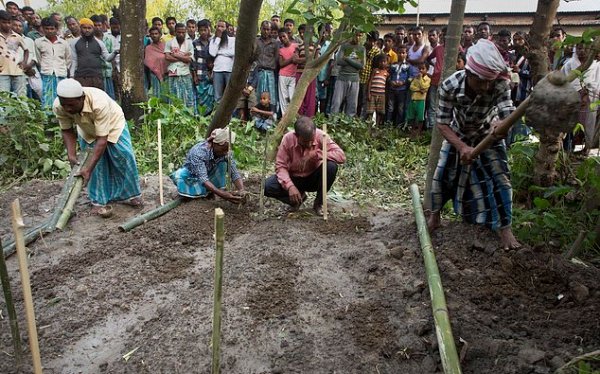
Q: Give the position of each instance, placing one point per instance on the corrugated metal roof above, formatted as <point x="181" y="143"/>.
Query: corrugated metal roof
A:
<point x="502" y="6"/>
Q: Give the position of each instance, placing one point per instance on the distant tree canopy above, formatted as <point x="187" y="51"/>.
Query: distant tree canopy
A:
<point x="182" y="10"/>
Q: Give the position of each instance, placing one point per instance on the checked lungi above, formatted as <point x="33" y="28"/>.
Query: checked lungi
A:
<point x="481" y="192"/>
<point x="181" y="87"/>
<point x="115" y="177"/>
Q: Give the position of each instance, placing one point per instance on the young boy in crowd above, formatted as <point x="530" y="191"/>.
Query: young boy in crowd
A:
<point x="399" y="84"/>
<point x="460" y="61"/>
<point x="263" y="113"/>
<point x="418" y="91"/>
<point x="376" y="89"/>
<point x="246" y="101"/>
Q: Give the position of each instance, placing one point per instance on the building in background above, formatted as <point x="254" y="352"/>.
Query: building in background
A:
<point x="573" y="16"/>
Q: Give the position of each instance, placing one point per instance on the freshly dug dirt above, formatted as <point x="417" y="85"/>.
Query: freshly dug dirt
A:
<point x="300" y="295"/>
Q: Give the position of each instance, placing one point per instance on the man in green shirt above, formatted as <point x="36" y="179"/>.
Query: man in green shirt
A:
<point x="351" y="60"/>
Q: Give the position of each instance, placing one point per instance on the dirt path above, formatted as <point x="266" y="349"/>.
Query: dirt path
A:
<point x="300" y="295"/>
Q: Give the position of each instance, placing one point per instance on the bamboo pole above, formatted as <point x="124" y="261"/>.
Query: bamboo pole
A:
<point x="17" y="223"/>
<point x="66" y="192"/>
<point x="263" y="175"/>
<point x="69" y="206"/>
<point x="12" y="314"/>
<point x="149" y="216"/>
<point x="324" y="170"/>
<point x="443" y="329"/>
<point x="218" y="294"/>
<point x="29" y="237"/>
<point x="160" y="161"/>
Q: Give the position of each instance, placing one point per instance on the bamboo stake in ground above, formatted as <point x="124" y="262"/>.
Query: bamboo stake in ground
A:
<point x="148" y="216"/>
<point x="263" y="175"/>
<point x="12" y="314"/>
<point x="160" y="160"/>
<point x="228" y="176"/>
<point x="443" y="329"/>
<point x="17" y="223"/>
<point x="217" y="295"/>
<point x="324" y="170"/>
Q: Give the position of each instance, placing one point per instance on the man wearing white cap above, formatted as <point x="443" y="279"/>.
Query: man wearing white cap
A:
<point x="111" y="172"/>
<point x="470" y="101"/>
<point x="203" y="172"/>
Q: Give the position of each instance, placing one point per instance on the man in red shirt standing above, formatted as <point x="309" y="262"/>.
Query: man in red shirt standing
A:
<point x="298" y="168"/>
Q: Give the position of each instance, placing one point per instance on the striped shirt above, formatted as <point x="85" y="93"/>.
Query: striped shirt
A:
<point x="201" y="161"/>
<point x="470" y="118"/>
<point x="378" y="82"/>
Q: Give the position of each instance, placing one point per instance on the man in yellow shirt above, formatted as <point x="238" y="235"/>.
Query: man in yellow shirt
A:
<point x="111" y="172"/>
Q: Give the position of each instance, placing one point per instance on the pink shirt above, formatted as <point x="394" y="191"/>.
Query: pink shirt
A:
<point x="294" y="160"/>
<point x="287" y="52"/>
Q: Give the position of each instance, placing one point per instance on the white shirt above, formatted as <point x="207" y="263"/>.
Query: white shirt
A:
<point x="54" y="58"/>
<point x="223" y="55"/>
<point x="591" y="77"/>
<point x="179" y="68"/>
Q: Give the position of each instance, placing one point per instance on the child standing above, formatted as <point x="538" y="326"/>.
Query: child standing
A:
<point x="418" y="91"/>
<point x="376" y="89"/>
<point x="263" y="112"/>
<point x="399" y="84"/>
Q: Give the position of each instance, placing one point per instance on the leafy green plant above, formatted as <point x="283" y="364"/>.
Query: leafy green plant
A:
<point x="27" y="148"/>
<point x="180" y="128"/>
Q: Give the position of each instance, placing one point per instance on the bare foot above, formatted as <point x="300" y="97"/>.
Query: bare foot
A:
<point x="433" y="222"/>
<point x="508" y="239"/>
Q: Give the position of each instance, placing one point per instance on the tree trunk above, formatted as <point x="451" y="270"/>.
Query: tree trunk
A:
<point x="544" y="171"/>
<point x="132" y="53"/>
<point x="538" y="35"/>
<point x="452" y="41"/>
<point x="244" y="49"/>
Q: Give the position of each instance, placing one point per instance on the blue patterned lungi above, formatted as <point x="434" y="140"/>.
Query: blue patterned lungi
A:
<point x="189" y="186"/>
<point x="266" y="82"/>
<point x="109" y="87"/>
<point x="481" y="192"/>
<point x="115" y="177"/>
<point x="205" y="96"/>
<point x="49" y="83"/>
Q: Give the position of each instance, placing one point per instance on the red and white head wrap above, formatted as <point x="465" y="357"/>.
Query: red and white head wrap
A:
<point x="485" y="61"/>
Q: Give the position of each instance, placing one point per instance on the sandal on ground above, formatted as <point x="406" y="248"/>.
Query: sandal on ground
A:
<point x="318" y="209"/>
<point x="102" y="211"/>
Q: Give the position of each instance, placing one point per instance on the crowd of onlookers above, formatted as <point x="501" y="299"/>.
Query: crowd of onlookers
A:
<point x="393" y="78"/>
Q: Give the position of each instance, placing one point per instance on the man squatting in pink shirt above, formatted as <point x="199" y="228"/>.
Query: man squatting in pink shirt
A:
<point x="298" y="166"/>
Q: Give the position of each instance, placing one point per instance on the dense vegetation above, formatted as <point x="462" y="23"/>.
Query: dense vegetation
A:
<point x="380" y="167"/>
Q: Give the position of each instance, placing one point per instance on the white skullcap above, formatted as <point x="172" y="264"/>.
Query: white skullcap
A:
<point x="69" y="88"/>
<point x="221" y="136"/>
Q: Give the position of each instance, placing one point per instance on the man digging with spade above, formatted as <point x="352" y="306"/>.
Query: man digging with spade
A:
<point x="111" y="172"/>
<point x="470" y="102"/>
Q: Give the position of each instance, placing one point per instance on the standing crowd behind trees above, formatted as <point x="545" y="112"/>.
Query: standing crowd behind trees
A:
<point x="394" y="78"/>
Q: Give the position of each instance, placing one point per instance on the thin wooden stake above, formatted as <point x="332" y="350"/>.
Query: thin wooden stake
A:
<point x="218" y="295"/>
<point x="17" y="223"/>
<point x="12" y="314"/>
<point x="263" y="175"/>
<point x="324" y="169"/>
<point x="228" y="176"/>
<point x="160" y="162"/>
